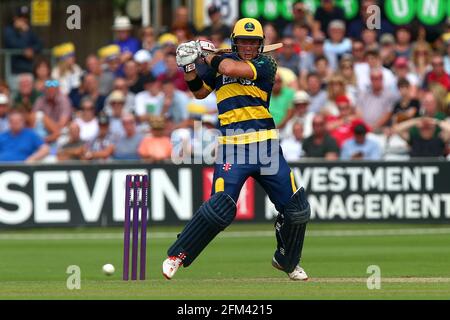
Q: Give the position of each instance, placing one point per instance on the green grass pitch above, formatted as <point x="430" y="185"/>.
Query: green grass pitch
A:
<point x="414" y="261"/>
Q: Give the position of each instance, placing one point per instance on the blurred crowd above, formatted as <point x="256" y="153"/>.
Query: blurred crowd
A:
<point x="342" y="91"/>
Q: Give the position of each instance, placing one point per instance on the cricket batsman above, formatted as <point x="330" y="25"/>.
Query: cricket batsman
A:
<point x="243" y="82"/>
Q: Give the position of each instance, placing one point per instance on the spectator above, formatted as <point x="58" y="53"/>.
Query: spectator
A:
<point x="320" y="144"/>
<point x="421" y="60"/>
<point x="26" y="95"/>
<point x="144" y="61"/>
<point x="336" y="88"/>
<point x="105" y="78"/>
<point x="299" y="113"/>
<point x="87" y="121"/>
<point x="181" y="31"/>
<point x="134" y="81"/>
<point x="341" y="126"/>
<point x="173" y="73"/>
<point x="363" y="72"/>
<point x="74" y="148"/>
<point x="326" y="13"/>
<point x="356" y="26"/>
<point x="358" y="53"/>
<point x="67" y="72"/>
<point x="20" y="36"/>
<point x="217" y="24"/>
<point x="281" y="99"/>
<point x="323" y="69"/>
<point x="292" y="145"/>
<point x="287" y="57"/>
<point x="271" y="33"/>
<point x="41" y="72"/>
<point x="347" y="72"/>
<point x="4" y="88"/>
<point x="102" y="148"/>
<point x="4" y="108"/>
<point x="128" y="45"/>
<point x="429" y="137"/>
<point x="89" y="88"/>
<point x="437" y="74"/>
<point x="117" y="101"/>
<point x="361" y="147"/>
<point x="338" y="44"/>
<point x="407" y="107"/>
<point x="168" y="44"/>
<point x="157" y="146"/>
<point x="175" y="103"/>
<point x="126" y="147"/>
<point x="55" y="104"/>
<point x="387" y="51"/>
<point x="369" y="38"/>
<point x="429" y="106"/>
<point x="121" y="85"/>
<point x="302" y="38"/>
<point x="20" y="143"/>
<point x="42" y="125"/>
<point x="307" y="59"/>
<point x="301" y="16"/>
<point x="376" y="104"/>
<point x="181" y="16"/>
<point x="110" y="59"/>
<point x="151" y="100"/>
<point x="148" y="40"/>
<point x="403" y="42"/>
<point x="401" y="71"/>
<point x="317" y="96"/>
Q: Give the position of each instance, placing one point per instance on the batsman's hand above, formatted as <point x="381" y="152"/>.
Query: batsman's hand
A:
<point x="187" y="53"/>
<point x="205" y="47"/>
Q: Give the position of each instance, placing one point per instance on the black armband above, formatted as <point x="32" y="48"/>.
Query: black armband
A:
<point x="215" y="62"/>
<point x="195" y="84"/>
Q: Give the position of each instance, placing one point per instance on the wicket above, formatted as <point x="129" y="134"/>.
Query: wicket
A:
<point x="136" y="198"/>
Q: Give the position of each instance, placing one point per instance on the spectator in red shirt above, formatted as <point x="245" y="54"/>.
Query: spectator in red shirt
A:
<point x="437" y="74"/>
<point x="173" y="73"/>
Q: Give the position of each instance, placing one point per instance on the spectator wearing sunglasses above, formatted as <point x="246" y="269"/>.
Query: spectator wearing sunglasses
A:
<point x="55" y="104"/>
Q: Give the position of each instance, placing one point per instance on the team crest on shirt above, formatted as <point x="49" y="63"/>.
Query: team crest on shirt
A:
<point x="226" y="166"/>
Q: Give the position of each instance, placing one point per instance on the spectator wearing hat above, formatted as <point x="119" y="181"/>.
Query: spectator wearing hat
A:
<point x="157" y="146"/>
<point x="280" y="100"/>
<point x="337" y="44"/>
<point x="357" y="24"/>
<point x="387" y="50"/>
<point x="361" y="147"/>
<point x="104" y="77"/>
<point x="55" y="104"/>
<point x="292" y="144"/>
<point x="407" y="107"/>
<point x="126" y="146"/>
<point x="327" y="12"/>
<point x="19" y="35"/>
<point x="102" y="147"/>
<point x="143" y="58"/>
<point x="299" y="113"/>
<point x="168" y="44"/>
<point x="120" y="84"/>
<point x="67" y="71"/>
<point x="173" y="73"/>
<point x="320" y="144"/>
<point x="26" y="95"/>
<point x="20" y="143"/>
<point x="4" y="108"/>
<point x="74" y="148"/>
<point x="128" y="45"/>
<point x="403" y="46"/>
<point x="117" y="101"/>
<point x="151" y="100"/>
<point x="301" y="16"/>
<point x="340" y="126"/>
<point x="110" y="59"/>
<point x="376" y="104"/>
<point x="401" y="71"/>
<point x="87" y="120"/>
<point x="216" y="23"/>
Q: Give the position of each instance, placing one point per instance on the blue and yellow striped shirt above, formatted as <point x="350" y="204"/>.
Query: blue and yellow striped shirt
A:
<point x="243" y="104"/>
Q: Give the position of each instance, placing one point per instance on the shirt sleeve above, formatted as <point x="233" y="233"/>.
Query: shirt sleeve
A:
<point x="264" y="67"/>
<point x="209" y="80"/>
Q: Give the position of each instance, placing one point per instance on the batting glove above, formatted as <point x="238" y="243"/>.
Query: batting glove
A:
<point x="186" y="55"/>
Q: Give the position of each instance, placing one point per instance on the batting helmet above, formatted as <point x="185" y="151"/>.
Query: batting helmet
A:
<point x="247" y="28"/>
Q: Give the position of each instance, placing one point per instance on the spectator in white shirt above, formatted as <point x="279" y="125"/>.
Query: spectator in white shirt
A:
<point x="87" y="121"/>
<point x="292" y="146"/>
<point x="151" y="100"/>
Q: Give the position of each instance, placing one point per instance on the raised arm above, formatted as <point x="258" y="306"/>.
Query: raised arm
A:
<point x="231" y="68"/>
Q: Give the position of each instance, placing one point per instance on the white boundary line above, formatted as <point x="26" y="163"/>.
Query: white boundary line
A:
<point x="229" y="234"/>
